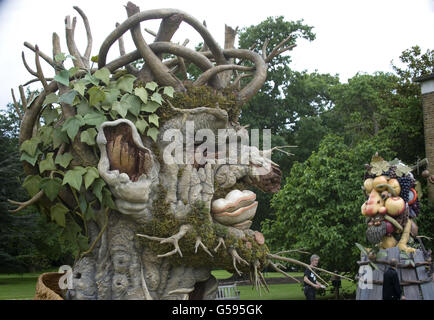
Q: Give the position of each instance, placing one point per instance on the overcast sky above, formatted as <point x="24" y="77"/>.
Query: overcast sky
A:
<point x="352" y="36"/>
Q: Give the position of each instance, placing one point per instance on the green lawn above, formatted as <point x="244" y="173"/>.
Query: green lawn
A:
<point x="285" y="292"/>
<point x="22" y="286"/>
<point x="278" y="291"/>
<point x="18" y="286"/>
<point x="223" y="274"/>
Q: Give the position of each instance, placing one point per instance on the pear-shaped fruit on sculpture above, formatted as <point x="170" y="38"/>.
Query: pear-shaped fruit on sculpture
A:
<point x="372" y="206"/>
<point x="394" y="183"/>
<point x="395" y="206"/>
<point x="379" y="181"/>
<point x="368" y="185"/>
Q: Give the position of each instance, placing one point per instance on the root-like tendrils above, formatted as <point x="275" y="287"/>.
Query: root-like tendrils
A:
<point x="22" y="205"/>
<point x="221" y="242"/>
<point x="236" y="258"/>
<point x="290" y="260"/>
<point x="273" y="256"/>
<point x="293" y="250"/>
<point x="172" y="239"/>
<point x="257" y="278"/>
<point x="276" y="268"/>
<point x="200" y="243"/>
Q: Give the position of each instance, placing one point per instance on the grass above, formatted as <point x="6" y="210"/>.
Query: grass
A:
<point x="293" y="291"/>
<point x="289" y="291"/>
<point x="22" y="287"/>
<point x="19" y="286"/>
<point x="223" y="274"/>
<point x="16" y="286"/>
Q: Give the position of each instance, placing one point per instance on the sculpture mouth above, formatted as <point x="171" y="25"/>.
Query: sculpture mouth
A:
<point x="237" y="209"/>
<point x="124" y="150"/>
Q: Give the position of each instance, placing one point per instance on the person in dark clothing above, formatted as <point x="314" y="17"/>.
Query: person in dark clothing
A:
<point x="391" y="287"/>
<point x="310" y="283"/>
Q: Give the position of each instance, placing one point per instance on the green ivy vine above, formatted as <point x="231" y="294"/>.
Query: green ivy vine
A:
<point x="96" y="98"/>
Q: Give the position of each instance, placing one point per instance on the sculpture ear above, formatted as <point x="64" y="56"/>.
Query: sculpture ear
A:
<point x="122" y="149"/>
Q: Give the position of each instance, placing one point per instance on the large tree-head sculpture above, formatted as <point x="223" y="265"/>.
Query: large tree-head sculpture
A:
<point x="93" y="147"/>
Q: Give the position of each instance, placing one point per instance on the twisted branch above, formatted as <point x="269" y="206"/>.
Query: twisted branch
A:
<point x="258" y="280"/>
<point x="201" y="61"/>
<point x="32" y="72"/>
<point x="41" y="54"/>
<point x="39" y="69"/>
<point x="32" y="113"/>
<point x="131" y="69"/>
<point x="276" y="268"/>
<point x="23" y="205"/>
<point x="159" y="70"/>
<point x="99" y="234"/>
<point x="88" y="50"/>
<point x="16" y="105"/>
<point x="167" y="29"/>
<point x="172" y="239"/>
<point x="56" y="50"/>
<point x="159" y="14"/>
<point x="23" y="98"/>
<point x="79" y="61"/>
<point x="236" y="258"/>
<point x="200" y="243"/>
<point x="230" y="35"/>
<point x="152" y="33"/>
<point x="221" y="241"/>
<point x="276" y="257"/>
<point x="293" y="250"/>
<point x="207" y="75"/>
<point x="70" y="42"/>
<point x="236" y="83"/>
<point x="260" y="74"/>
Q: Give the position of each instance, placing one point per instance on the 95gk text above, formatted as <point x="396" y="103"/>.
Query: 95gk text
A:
<point x="221" y="309"/>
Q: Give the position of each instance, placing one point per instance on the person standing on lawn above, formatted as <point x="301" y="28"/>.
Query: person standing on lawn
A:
<point x="310" y="283"/>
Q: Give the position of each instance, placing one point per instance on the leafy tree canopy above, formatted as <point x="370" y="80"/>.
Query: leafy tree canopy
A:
<point x="319" y="207"/>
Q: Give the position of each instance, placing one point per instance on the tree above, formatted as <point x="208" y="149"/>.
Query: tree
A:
<point x="27" y="241"/>
<point x="288" y="95"/>
<point x="287" y="100"/>
<point x="318" y="209"/>
<point x="294" y="120"/>
<point x="374" y="105"/>
<point x="379" y="112"/>
<point x="414" y="63"/>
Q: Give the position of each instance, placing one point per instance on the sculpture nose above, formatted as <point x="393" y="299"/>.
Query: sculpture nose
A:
<point x="373" y="204"/>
